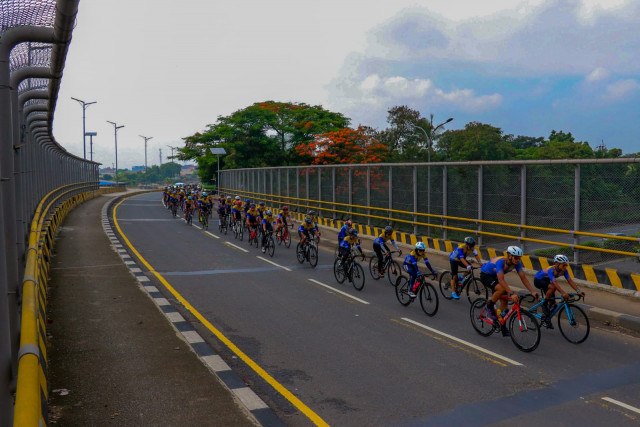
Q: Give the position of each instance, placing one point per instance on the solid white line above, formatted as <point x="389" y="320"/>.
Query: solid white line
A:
<point x="338" y="291"/>
<point x="237" y="247"/>
<point x="458" y="340"/>
<point x="196" y="226"/>
<point x="624" y="405"/>
<point x="212" y="235"/>
<point x="271" y="262"/>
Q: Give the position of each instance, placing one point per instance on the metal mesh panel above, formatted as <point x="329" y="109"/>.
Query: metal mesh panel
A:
<point x="462" y="199"/>
<point x="342" y="191"/>
<point x="14" y="13"/>
<point x="29" y="84"/>
<point x="326" y="192"/>
<point x="379" y="184"/>
<point x="292" y="191"/>
<point x="501" y="201"/>
<point x="30" y="54"/>
<point x="359" y="194"/>
<point x="402" y="187"/>
<point x="312" y="191"/>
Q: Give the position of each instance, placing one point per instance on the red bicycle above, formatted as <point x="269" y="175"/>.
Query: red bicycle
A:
<point x="283" y="236"/>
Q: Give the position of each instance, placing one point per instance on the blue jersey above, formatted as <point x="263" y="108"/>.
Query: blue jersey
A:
<point x="551" y="273"/>
<point x="343" y="233"/>
<point x="500" y="264"/>
<point x="306" y="228"/>
<point x="383" y="239"/>
<point x="462" y="252"/>
<point x="348" y="241"/>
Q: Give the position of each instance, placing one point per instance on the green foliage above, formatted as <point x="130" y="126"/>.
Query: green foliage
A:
<point x="477" y="141"/>
<point x="153" y="175"/>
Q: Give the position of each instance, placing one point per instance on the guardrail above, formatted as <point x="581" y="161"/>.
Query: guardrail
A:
<point x="32" y="394"/>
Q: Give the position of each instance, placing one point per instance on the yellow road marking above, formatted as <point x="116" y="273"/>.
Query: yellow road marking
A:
<point x="315" y="418"/>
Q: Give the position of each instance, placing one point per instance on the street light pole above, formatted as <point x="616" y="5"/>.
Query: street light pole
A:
<point x="84" y="130"/>
<point x="146" y="138"/>
<point x="429" y="136"/>
<point x="115" y="133"/>
<point x="91" y="135"/>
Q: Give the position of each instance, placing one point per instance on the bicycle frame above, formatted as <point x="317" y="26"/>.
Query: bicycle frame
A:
<point x="564" y="303"/>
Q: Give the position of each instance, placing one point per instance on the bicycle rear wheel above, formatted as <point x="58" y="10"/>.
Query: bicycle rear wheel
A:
<point x="393" y="272"/>
<point x="401" y="291"/>
<point x="373" y="267"/>
<point x="445" y="284"/>
<point x="287" y="239"/>
<point x="525" y="332"/>
<point x="300" y="253"/>
<point x="479" y="319"/>
<point x="476" y="289"/>
<point x="313" y="256"/>
<point x="573" y="324"/>
<point x="429" y="299"/>
<point x="271" y="246"/>
<point x="357" y="276"/>
<point x="338" y="271"/>
<point x="240" y="232"/>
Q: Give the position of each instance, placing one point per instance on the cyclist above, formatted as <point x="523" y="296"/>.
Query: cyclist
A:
<point x="410" y="265"/>
<point x="222" y="208"/>
<point x="305" y="229"/>
<point x="545" y="280"/>
<point x="261" y="208"/>
<point x="348" y="225"/>
<point x="283" y="217"/>
<point x="346" y="244"/>
<point x="267" y="226"/>
<point x="188" y="206"/>
<point x="252" y="217"/>
<point x="458" y="258"/>
<point x="492" y="276"/>
<point x="314" y="219"/>
<point x="237" y="211"/>
<point x="380" y="247"/>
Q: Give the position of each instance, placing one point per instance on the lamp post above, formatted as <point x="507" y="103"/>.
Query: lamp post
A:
<point x="115" y="133"/>
<point x="84" y="131"/>
<point x="146" y="138"/>
<point x="429" y="136"/>
<point x="218" y="151"/>
<point x="91" y="135"/>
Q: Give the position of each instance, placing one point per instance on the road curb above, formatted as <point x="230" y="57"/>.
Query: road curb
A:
<point x="246" y="397"/>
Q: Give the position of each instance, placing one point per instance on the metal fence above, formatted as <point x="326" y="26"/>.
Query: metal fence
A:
<point x="34" y="39"/>
<point x="559" y="202"/>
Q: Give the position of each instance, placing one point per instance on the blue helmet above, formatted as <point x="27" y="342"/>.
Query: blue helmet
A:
<point x="420" y="246"/>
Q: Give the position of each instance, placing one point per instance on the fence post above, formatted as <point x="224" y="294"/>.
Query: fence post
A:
<point x="368" y="195"/>
<point x="415" y="199"/>
<point x="319" y="189"/>
<point x="350" y="194"/>
<point x="576" y="212"/>
<point x="480" y="205"/>
<point x="523" y="206"/>
<point x="297" y="188"/>
<point x="390" y="192"/>
<point x="445" y="210"/>
<point x="333" y="191"/>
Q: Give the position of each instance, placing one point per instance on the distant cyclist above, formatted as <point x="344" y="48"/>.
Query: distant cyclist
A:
<point x="410" y="265"/>
<point x="306" y="229"/>
<point x="381" y="249"/>
<point x="345" y="246"/>
<point x="545" y="280"/>
<point x="267" y="226"/>
<point x="458" y="258"/>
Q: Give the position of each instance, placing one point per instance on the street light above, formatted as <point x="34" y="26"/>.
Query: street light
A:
<point x="84" y="130"/>
<point x="218" y="151"/>
<point x="146" y="138"/>
<point x="429" y="136"/>
<point x="115" y="133"/>
<point x="91" y="135"/>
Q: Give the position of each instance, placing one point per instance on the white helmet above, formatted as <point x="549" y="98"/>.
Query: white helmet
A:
<point x="562" y="259"/>
<point x="514" y="250"/>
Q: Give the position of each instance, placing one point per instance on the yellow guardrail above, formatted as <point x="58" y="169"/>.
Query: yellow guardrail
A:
<point x="271" y="198"/>
<point x="32" y="394"/>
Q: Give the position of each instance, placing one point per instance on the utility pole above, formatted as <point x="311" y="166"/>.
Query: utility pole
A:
<point x="146" y="138"/>
<point x="84" y="131"/>
<point x="160" y="150"/>
<point x="115" y="133"/>
<point x="91" y="135"/>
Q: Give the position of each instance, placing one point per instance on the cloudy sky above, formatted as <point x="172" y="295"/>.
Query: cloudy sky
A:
<point x="166" y="69"/>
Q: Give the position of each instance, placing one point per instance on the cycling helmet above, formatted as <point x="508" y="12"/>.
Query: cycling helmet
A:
<point x="269" y="213"/>
<point x="261" y="203"/>
<point x="228" y="197"/>
<point x="307" y="219"/>
<point x="420" y="246"/>
<point x="514" y="250"/>
<point x="222" y="196"/>
<point x="204" y="194"/>
<point x="353" y="232"/>
<point x="285" y="208"/>
<point x="253" y="205"/>
<point x="312" y="212"/>
<point x="237" y="197"/>
<point x="388" y="229"/>
<point x="562" y="259"/>
<point x="470" y="241"/>
<point x="248" y="200"/>
<point x="348" y="223"/>
<point x="189" y="197"/>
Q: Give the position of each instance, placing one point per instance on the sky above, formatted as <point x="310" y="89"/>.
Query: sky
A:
<point x="166" y="69"/>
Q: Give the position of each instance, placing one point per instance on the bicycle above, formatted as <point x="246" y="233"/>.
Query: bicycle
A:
<point x="238" y="230"/>
<point x="354" y="271"/>
<point x="224" y="224"/>
<point x="524" y="330"/>
<point x="426" y="293"/>
<point x="174" y="209"/>
<point x="307" y="252"/>
<point x="188" y="216"/>
<point x="475" y="288"/>
<point x="283" y="236"/>
<point x="572" y="320"/>
<point x="253" y="235"/>
<point x="204" y="218"/>
<point x="389" y="266"/>
<point x="270" y="245"/>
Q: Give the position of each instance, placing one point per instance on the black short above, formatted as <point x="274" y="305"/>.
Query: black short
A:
<point x="489" y="280"/>
<point x="542" y="284"/>
<point x="454" y="266"/>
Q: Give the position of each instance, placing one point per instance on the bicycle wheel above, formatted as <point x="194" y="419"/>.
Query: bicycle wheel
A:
<point x="393" y="272"/>
<point x="445" y="284"/>
<point x="429" y="299"/>
<point x="313" y="256"/>
<point x="573" y="323"/>
<point x="257" y="239"/>
<point x="225" y="226"/>
<point x="525" y="332"/>
<point x="401" y="291"/>
<point x="479" y="319"/>
<point x="357" y="276"/>
<point x="241" y="232"/>
<point x="338" y="271"/>
<point x="287" y="239"/>
<point x="476" y="289"/>
<point x="279" y="237"/>
<point x="271" y="246"/>
<point x="373" y="267"/>
<point x="300" y="253"/>
<point x="205" y="223"/>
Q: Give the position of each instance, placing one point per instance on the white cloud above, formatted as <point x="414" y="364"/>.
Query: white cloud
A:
<point x="621" y="89"/>
<point x="597" y="75"/>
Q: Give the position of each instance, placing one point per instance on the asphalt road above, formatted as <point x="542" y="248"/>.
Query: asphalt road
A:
<point x="360" y="358"/>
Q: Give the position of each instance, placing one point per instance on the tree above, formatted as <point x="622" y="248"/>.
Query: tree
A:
<point x="405" y="143"/>
<point x="563" y="146"/>
<point x="477" y="141"/>
<point x="344" y="146"/>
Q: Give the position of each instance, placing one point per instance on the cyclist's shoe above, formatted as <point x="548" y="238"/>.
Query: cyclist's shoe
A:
<point x="411" y="294"/>
<point x="505" y="331"/>
<point x="380" y="274"/>
<point x="264" y="249"/>
<point x="546" y="322"/>
<point x="491" y="313"/>
<point x="454" y="295"/>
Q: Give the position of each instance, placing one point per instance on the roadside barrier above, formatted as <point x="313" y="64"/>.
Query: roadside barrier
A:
<point x="31" y="407"/>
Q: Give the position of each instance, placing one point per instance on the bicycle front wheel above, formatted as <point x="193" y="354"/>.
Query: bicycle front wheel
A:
<point x="479" y="319"/>
<point x="445" y="284"/>
<point x="338" y="271"/>
<point x="401" y="291"/>
<point x="357" y="276"/>
<point x="373" y="267"/>
<point x="313" y="256"/>
<point x="287" y="239"/>
<point x="525" y="332"/>
<point x="300" y="253"/>
<point x="475" y="290"/>
<point x="429" y="299"/>
<point x="393" y="272"/>
<point x="240" y="232"/>
<point x="271" y="246"/>
<point x="573" y="323"/>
